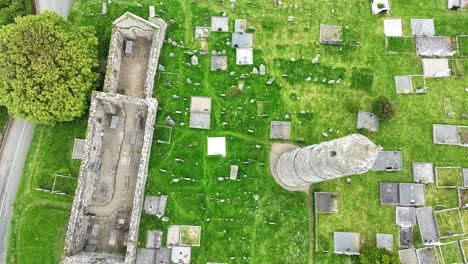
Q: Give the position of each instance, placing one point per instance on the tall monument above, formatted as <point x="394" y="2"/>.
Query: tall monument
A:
<point x="299" y="167"/>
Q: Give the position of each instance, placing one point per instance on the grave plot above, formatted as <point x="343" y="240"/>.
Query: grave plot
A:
<point x="436" y="68"/>
<point x="190" y="235"/>
<point x="362" y="78"/>
<point x="408" y="256"/>
<point x="458" y="67"/>
<point x="326" y="202"/>
<point x="301" y="71"/>
<point x="450" y="135"/>
<point x="464" y="248"/>
<point x="399" y="45"/>
<point x="64" y="185"/>
<point x="380" y="7"/>
<point x="448" y="177"/>
<point x="451" y="253"/>
<point x="162" y="134"/>
<point x="449" y="222"/>
<point x="462" y="45"/>
<point x="169" y="79"/>
<point x="427" y="255"/>
<point x="464" y="215"/>
<point x="264" y="108"/>
<point x="384" y="241"/>
<point x="463" y="198"/>
<point x="422" y="27"/>
<point x="406" y="84"/>
<point x="393" y="28"/>
<point x="435" y="46"/>
<point x="423" y="172"/>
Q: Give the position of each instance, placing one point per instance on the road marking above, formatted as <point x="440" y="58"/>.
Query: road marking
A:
<point x="12" y="166"/>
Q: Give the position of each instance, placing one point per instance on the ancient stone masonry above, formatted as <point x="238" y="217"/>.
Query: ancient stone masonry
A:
<point x="353" y="154"/>
<point x="105" y="217"/>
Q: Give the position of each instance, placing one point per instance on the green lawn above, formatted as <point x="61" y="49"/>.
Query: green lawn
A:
<point x="463" y="45"/>
<point x="253" y="220"/>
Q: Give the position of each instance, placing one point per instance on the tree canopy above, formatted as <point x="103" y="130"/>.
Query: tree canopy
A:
<point x="46" y="68"/>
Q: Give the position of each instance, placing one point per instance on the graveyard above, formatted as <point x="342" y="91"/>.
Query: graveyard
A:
<point x="295" y="73"/>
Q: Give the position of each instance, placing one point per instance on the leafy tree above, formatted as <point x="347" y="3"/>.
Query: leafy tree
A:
<point x="46" y="68"/>
<point x="384" y="108"/>
<point x="373" y="255"/>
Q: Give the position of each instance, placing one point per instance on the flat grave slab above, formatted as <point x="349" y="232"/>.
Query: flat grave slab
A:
<point x="384" y="241"/>
<point x="427" y="226"/>
<point x="200" y="112"/>
<point x="217" y="146"/>
<point x="405" y="216"/>
<point x="145" y="255"/>
<point x="331" y="34"/>
<point x="422" y="27"/>
<point x="367" y="120"/>
<point x="79" y="149"/>
<point x="427" y="255"/>
<point x="393" y="28"/>
<point x="423" y="172"/>
<point x="434" y="46"/>
<point x="220" y="23"/>
<point x="219" y="63"/>
<point x="436" y="68"/>
<point x="202" y="33"/>
<point x="244" y="56"/>
<point x="403" y="84"/>
<point x="163" y="255"/>
<point x="380" y="7"/>
<point x="181" y="254"/>
<point x="412" y="194"/>
<point x="405" y="236"/>
<point x="242" y="40"/>
<point x="408" y="256"/>
<point x="326" y="202"/>
<point x="446" y="134"/>
<point x="280" y="130"/>
<point x="388" y="161"/>
<point x="346" y="243"/>
<point x="389" y="193"/>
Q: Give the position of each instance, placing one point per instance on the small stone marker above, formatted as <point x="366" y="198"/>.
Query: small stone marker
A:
<point x="270" y="81"/>
<point x="290" y="19"/>
<point x="233" y="175"/>
<point x="194" y="60"/>
<point x="262" y="70"/>
<point x="151" y="11"/>
<point x="103" y="9"/>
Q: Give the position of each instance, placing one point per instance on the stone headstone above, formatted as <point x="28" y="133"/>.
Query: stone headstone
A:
<point x="255" y="70"/>
<point x="194" y="60"/>
<point x="262" y="69"/>
<point x="169" y="121"/>
<point x="290" y="18"/>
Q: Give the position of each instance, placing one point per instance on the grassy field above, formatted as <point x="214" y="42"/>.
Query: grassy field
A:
<point x="253" y="220"/>
<point x="38" y="225"/>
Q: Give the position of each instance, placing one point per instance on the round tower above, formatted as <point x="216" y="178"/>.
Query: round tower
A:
<point x="353" y="154"/>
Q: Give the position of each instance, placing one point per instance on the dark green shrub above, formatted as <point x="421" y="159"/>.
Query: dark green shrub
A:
<point x="384" y="108"/>
<point x="373" y="255"/>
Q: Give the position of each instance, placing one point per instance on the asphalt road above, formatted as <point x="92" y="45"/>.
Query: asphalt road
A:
<point x="61" y="7"/>
<point x="12" y="157"/>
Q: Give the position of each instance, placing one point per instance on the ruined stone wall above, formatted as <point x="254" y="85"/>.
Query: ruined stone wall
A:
<point x="158" y="40"/>
<point x="100" y="104"/>
<point x="114" y="59"/>
<point x="94" y="258"/>
<point x="132" y="243"/>
<point x="353" y="154"/>
<point x="78" y="223"/>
